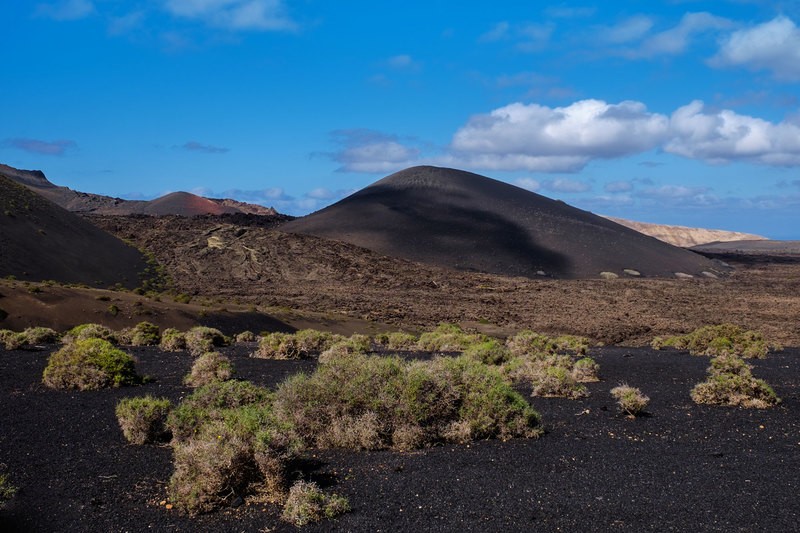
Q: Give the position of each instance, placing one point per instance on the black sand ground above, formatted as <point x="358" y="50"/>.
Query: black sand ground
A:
<point x="684" y="468"/>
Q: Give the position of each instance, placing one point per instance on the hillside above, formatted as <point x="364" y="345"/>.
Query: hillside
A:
<point x="40" y="240"/>
<point x="461" y="220"/>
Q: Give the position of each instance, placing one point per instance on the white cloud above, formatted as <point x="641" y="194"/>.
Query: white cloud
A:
<point x="725" y="136"/>
<point x="677" y="39"/>
<point x="66" y="9"/>
<point x="234" y="14"/>
<point x="529" y="37"/>
<point x="566" y="185"/>
<point x="498" y="32"/>
<point x="535" y="137"/>
<point x="402" y="61"/>
<point x="528" y="183"/>
<point x="125" y="23"/>
<point x="372" y="152"/>
<point x="773" y="45"/>
<point x="631" y="29"/>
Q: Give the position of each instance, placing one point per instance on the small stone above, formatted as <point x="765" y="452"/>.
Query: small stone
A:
<point x="168" y="506"/>
<point x="608" y="275"/>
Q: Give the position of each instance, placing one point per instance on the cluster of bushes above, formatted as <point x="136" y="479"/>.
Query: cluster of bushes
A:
<point x="13" y="340"/>
<point x="299" y="345"/>
<point x="234" y="439"/>
<point x="731" y="382"/>
<point x="723" y="339"/>
<point x="198" y="340"/>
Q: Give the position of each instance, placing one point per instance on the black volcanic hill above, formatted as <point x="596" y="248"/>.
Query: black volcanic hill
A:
<point x="466" y="221"/>
<point x="40" y="240"/>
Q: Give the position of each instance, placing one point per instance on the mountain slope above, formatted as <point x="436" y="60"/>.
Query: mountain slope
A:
<point x="40" y="240"/>
<point x="176" y="203"/>
<point x="466" y="221"/>
<point x="684" y="236"/>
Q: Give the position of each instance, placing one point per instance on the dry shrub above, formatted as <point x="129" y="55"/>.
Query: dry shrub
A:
<point x="28" y="338"/>
<point x="723" y="339"/>
<point x="356" y="344"/>
<point x="89" y="364"/>
<point x="558" y="381"/>
<point x="143" y="419"/>
<point x="307" y="504"/>
<point x="389" y="402"/>
<point x="245" y="336"/>
<point x="528" y="343"/>
<point x="585" y="370"/>
<point x="208" y="368"/>
<point x="631" y="401"/>
<point x="298" y="345"/>
<point x="228" y="443"/>
<point x="173" y="340"/>
<point x="552" y="375"/>
<point x="7" y="490"/>
<point x="202" y="339"/>
<point x="731" y="383"/>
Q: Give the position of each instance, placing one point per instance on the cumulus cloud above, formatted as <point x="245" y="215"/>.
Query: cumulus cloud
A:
<point x="65" y="9"/>
<point x="36" y="146"/>
<point x="262" y="15"/>
<point x="370" y="151"/>
<point x="535" y="137"/>
<point x="773" y="46"/>
<point x="725" y="136"/>
<point x="194" y="146"/>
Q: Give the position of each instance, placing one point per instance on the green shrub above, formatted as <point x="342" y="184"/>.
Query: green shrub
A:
<point x="489" y="352"/>
<point x="207" y="368"/>
<point x="90" y="331"/>
<point x="89" y="364"/>
<point x="143" y="419"/>
<point x="349" y="346"/>
<point x="113" y="310"/>
<point x="202" y="339"/>
<point x="358" y="401"/>
<point x="173" y="340"/>
<point x="718" y="340"/>
<point x="11" y="340"/>
<point x="552" y="375"/>
<point x="397" y="340"/>
<point x="448" y="338"/>
<point x="29" y="337"/>
<point x="307" y="504"/>
<point x="144" y="334"/>
<point x="731" y="383"/>
<point x="630" y="399"/>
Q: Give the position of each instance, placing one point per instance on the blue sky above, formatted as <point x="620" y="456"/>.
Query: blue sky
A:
<point x="681" y="112"/>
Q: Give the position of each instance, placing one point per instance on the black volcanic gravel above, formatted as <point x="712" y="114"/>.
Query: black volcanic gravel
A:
<point x="683" y="468"/>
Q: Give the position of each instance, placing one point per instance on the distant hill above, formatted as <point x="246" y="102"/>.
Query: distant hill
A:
<point x="686" y="237"/>
<point x="40" y="240"/>
<point x="466" y="221"/>
<point x="177" y="203"/>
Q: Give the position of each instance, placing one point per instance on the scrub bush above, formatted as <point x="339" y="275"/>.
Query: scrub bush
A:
<point x="90" y="364"/>
<point x="143" y="419"/>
